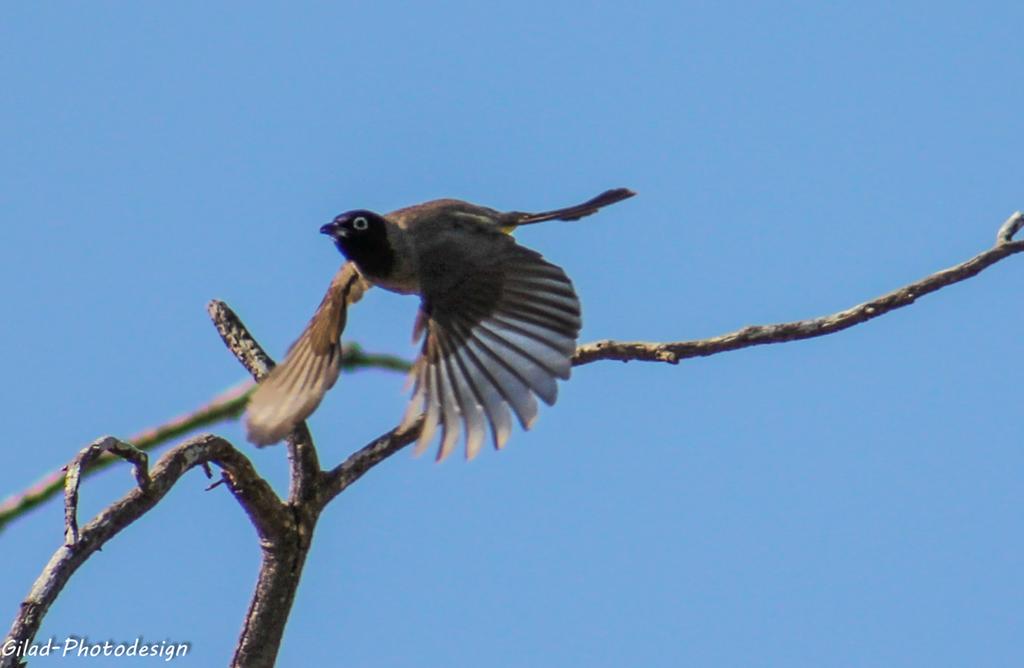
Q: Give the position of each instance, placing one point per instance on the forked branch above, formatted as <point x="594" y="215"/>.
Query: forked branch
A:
<point x="286" y="528"/>
<point x="257" y="498"/>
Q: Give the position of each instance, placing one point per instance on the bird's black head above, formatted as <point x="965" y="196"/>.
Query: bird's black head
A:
<point x="362" y="236"/>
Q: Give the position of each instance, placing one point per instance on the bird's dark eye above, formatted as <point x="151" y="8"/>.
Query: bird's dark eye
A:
<point x="360" y="223"/>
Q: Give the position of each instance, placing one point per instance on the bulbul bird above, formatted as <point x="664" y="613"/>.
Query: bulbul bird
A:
<point x="500" y="321"/>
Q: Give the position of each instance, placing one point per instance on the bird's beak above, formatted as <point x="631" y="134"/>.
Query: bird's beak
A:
<point x="333" y="229"/>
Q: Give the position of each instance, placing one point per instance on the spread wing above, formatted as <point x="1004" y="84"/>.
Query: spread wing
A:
<point x="501" y="325"/>
<point x="294" y="388"/>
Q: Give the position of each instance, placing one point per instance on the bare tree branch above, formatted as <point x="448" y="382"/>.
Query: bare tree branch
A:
<point x="280" y="572"/>
<point x="255" y="495"/>
<point x="756" y="335"/>
<point x="238" y="340"/>
<point x="283" y="557"/>
<point x="302" y="455"/>
<point x="286" y="529"/>
<point x="337" y="479"/>
<point x="128" y="452"/>
<point x="226" y="406"/>
<point x="1010" y="228"/>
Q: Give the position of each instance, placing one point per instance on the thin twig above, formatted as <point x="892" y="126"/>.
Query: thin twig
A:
<point x="302" y="456"/>
<point x="358" y="463"/>
<point x="756" y="335"/>
<point x="353" y="357"/>
<point x="226" y="406"/>
<point x="230" y="404"/>
<point x="1010" y="228"/>
<point x="127" y="451"/>
<point x="238" y="340"/>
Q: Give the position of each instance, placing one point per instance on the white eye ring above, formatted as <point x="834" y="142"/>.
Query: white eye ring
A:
<point x="360" y="223"/>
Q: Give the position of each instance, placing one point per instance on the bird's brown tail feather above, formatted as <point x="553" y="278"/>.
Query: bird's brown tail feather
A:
<point x="572" y="212"/>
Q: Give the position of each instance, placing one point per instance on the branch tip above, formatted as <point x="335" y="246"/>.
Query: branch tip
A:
<point x="88" y="454"/>
<point x="1010" y="228"/>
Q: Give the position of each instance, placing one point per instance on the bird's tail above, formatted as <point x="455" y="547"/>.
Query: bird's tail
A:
<point x="516" y="218"/>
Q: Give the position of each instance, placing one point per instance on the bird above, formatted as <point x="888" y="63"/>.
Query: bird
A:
<point x="498" y="322"/>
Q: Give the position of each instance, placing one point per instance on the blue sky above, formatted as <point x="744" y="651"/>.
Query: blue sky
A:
<point x="851" y="500"/>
